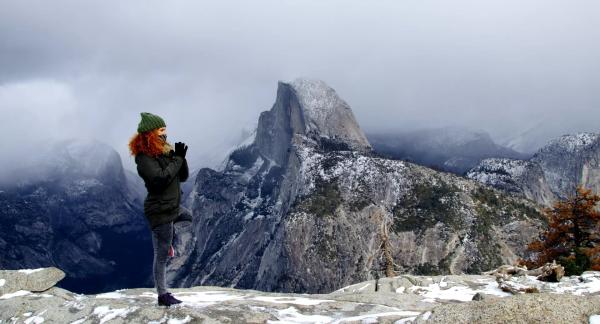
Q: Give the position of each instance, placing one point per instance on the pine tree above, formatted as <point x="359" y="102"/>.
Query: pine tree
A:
<point x="572" y="236"/>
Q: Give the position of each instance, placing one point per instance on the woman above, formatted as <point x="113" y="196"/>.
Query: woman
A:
<point x="162" y="170"/>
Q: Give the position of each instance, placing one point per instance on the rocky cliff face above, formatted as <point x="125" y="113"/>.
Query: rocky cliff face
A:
<point x="75" y="209"/>
<point x="553" y="172"/>
<point x="305" y="206"/>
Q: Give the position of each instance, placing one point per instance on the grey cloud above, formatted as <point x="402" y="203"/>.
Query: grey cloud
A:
<point x="209" y="68"/>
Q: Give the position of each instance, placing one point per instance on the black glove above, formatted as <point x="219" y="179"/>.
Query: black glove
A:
<point x="180" y="149"/>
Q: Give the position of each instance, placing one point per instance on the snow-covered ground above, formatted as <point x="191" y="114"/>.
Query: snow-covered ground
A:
<point x="416" y="298"/>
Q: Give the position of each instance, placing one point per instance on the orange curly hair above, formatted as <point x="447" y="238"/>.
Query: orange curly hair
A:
<point x="148" y="143"/>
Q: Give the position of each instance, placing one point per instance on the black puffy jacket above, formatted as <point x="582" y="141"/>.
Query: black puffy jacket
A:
<point x="162" y="176"/>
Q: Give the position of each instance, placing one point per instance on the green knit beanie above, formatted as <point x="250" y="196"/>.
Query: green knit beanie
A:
<point x="149" y="122"/>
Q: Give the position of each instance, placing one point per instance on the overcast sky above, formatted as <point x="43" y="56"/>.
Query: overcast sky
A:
<point x="88" y="68"/>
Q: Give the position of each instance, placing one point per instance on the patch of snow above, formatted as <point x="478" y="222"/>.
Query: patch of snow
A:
<point x="251" y="172"/>
<point x="595" y="319"/>
<point x="426" y="315"/>
<point x="291" y="315"/>
<point x="372" y="318"/>
<point x="363" y="287"/>
<point x="205" y="298"/>
<point x="186" y="319"/>
<point x="107" y="314"/>
<point x="400" y="290"/>
<point x="406" y="320"/>
<point x="587" y="283"/>
<point x="443" y="283"/>
<point x="343" y="289"/>
<point x="459" y="292"/>
<point x="80" y="296"/>
<point x="354" y="288"/>
<point x="248" y="215"/>
<point x="44" y="295"/>
<point x="292" y="300"/>
<point x="149" y="294"/>
<point x="111" y="295"/>
<point x="16" y="294"/>
<point x="2" y="282"/>
<point x="257" y="308"/>
<point x="74" y="303"/>
<point x="36" y="319"/>
<point x="28" y="271"/>
<point x="81" y="320"/>
<point x="27" y="314"/>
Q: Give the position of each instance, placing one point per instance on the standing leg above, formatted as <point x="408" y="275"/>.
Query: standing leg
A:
<point x="162" y="238"/>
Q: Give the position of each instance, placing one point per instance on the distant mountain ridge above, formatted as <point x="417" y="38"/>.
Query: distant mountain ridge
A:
<point x="451" y="149"/>
<point x="77" y="209"/>
<point x="547" y="128"/>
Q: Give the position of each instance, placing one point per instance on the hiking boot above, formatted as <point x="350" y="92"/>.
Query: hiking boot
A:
<point x="167" y="299"/>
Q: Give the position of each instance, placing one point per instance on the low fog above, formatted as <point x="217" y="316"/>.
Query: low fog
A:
<point x="87" y="69"/>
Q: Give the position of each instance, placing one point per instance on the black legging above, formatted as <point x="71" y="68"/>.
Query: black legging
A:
<point x="162" y="239"/>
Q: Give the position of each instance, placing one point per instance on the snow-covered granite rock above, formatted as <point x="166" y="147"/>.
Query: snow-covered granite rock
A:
<point x="295" y="211"/>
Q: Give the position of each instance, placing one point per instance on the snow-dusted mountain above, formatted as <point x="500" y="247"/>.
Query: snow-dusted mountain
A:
<point x="571" y="160"/>
<point x="553" y="172"/>
<point x="305" y="205"/>
<point x="451" y="149"/>
<point x="77" y="209"/>
<point x="517" y="176"/>
<point x="547" y="128"/>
